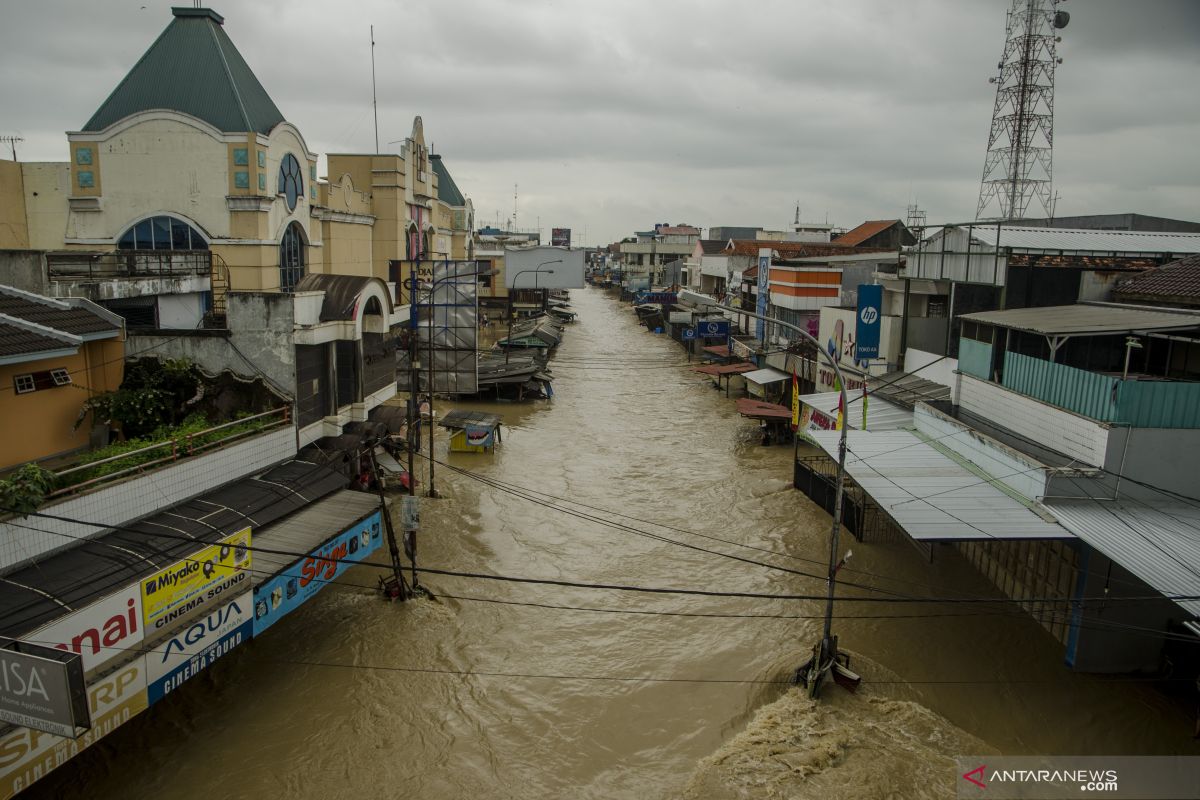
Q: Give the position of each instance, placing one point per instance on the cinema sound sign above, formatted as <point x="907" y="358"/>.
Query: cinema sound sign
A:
<point x="199" y="581"/>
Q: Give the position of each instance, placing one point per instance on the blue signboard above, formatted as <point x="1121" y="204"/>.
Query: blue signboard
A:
<point x="194" y="648"/>
<point x="764" y="295"/>
<point x="665" y="298"/>
<point x="689" y="333"/>
<point x="296" y="585"/>
<point x="870" y="319"/>
<point x="712" y="329"/>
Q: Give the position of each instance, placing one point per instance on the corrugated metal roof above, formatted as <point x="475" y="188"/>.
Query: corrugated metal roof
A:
<point x="193" y="67"/>
<point x="881" y="415"/>
<point x="1084" y="240"/>
<point x="1097" y="319"/>
<point x="1160" y="545"/>
<point x="305" y="530"/>
<point x="448" y="191"/>
<point x="907" y="390"/>
<point x="930" y="495"/>
<point x="766" y="375"/>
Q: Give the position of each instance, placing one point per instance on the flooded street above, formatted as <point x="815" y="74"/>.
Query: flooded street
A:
<point x="350" y="696"/>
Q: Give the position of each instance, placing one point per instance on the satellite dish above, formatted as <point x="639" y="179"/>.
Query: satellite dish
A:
<point x="1061" y="18"/>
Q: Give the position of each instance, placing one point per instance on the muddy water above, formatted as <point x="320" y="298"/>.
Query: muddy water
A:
<point x="350" y="696"/>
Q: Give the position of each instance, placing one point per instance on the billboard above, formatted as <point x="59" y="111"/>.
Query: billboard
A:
<point x="182" y="589"/>
<point x="452" y="320"/>
<point x="100" y="632"/>
<point x="296" y="585"/>
<point x="194" y="648"/>
<point x="42" y="688"/>
<point x="870" y="317"/>
<point x="560" y="237"/>
<point x="764" y="292"/>
<point x="531" y="268"/>
<point x="27" y="755"/>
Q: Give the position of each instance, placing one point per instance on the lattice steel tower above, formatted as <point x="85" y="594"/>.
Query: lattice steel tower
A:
<point x="1020" y="145"/>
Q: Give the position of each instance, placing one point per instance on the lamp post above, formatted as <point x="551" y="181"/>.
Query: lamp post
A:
<point x="824" y="659"/>
<point x="535" y="271"/>
<point x="433" y="424"/>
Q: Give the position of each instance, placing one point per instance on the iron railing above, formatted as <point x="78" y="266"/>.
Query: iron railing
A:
<point x="128" y="264"/>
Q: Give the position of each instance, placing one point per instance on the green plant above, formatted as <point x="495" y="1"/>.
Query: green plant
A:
<point x="153" y="394"/>
<point x="26" y="489"/>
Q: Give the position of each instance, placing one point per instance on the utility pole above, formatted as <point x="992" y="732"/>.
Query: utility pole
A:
<point x="374" y="100"/>
<point x="394" y="588"/>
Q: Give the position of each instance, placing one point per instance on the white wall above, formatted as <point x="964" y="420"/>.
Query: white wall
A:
<point x="567" y="275"/>
<point x="26" y="538"/>
<point x="1070" y="434"/>
<point x="943" y="372"/>
<point x="167" y="163"/>
<point x="180" y="311"/>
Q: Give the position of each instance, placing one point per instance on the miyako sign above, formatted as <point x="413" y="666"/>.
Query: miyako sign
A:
<point x="27" y="755"/>
<point x="42" y="688"/>
<point x="195" y="647"/>
<point x="181" y="589"/>
<point x="100" y="632"/>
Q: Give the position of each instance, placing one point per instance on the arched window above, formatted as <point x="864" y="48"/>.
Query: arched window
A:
<point x="291" y="181"/>
<point x="291" y="258"/>
<point x="162" y="233"/>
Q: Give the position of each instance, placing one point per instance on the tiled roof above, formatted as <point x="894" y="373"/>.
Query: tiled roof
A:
<point x="712" y="247"/>
<point x="448" y="191"/>
<point x="32" y="325"/>
<point x="1179" y="280"/>
<point x="59" y="315"/>
<point x="856" y="236"/>
<point x="193" y="67"/>
<point x="16" y="341"/>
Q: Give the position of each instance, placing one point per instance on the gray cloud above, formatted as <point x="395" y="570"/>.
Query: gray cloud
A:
<point x="611" y="116"/>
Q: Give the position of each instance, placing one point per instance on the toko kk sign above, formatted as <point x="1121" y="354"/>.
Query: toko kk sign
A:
<point x="869" y="322"/>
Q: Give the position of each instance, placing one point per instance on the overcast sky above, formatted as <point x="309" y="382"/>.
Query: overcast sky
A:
<point x="611" y="115"/>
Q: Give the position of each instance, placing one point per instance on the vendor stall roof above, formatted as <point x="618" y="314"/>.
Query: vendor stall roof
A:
<point x="932" y="496"/>
<point x="766" y="376"/>
<point x="461" y="419"/>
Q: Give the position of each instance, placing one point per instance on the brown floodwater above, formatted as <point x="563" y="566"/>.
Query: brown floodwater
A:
<point x="352" y="697"/>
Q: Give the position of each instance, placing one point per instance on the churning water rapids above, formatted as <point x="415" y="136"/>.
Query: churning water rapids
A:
<point x="352" y="697"/>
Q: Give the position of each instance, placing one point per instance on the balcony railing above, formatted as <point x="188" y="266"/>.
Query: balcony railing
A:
<point x="82" y="478"/>
<point x="129" y="264"/>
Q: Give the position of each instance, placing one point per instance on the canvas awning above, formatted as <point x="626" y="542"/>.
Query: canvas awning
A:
<point x="932" y="496"/>
<point x="726" y="369"/>
<point x="756" y="409"/>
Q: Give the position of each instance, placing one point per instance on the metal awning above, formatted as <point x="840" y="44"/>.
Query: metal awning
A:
<point x="461" y="419"/>
<point x="726" y="369"/>
<point x="756" y="409"/>
<point x="766" y="376"/>
<point x="932" y="496"/>
<point x="1086" y="319"/>
<point x="881" y="415"/>
<point x="306" y="530"/>
<point x="1159" y="544"/>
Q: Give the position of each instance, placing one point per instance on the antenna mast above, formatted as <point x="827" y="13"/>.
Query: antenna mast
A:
<point x="1021" y="141"/>
<point x="374" y="100"/>
<point x="12" y="142"/>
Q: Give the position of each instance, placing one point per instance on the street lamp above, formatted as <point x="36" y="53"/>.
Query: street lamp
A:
<point x="535" y="271"/>
<point x="432" y="423"/>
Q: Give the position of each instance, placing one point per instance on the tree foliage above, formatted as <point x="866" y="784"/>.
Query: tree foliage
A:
<point x="25" y="489"/>
<point x="155" y="394"/>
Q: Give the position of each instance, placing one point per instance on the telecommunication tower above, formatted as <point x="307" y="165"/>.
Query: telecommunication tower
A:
<point x="1021" y="142"/>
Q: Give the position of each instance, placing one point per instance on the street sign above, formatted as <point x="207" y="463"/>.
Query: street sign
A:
<point x="689" y="333"/>
<point x="713" y="329"/>
<point x="870" y="319"/>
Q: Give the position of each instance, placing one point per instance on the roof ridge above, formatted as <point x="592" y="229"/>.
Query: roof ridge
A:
<point x="41" y="330"/>
<point x="233" y="84"/>
<point x="32" y="297"/>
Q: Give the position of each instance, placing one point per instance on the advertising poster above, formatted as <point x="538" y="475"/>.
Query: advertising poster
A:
<point x="560" y="237"/>
<point x="100" y="632"/>
<point x="187" y="585"/>
<point x="764" y="293"/>
<point x="193" y="649"/>
<point x="870" y="316"/>
<point x="296" y="585"/>
<point x="27" y="755"/>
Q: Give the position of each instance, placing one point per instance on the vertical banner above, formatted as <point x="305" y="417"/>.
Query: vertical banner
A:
<point x="870" y="319"/>
<point x="795" y="399"/>
<point x="764" y="291"/>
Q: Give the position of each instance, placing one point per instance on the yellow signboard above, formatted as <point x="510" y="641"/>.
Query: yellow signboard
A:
<point x="27" y="755"/>
<point x="185" y="586"/>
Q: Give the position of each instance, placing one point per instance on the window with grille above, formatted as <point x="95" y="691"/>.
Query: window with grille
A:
<point x="291" y="258"/>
